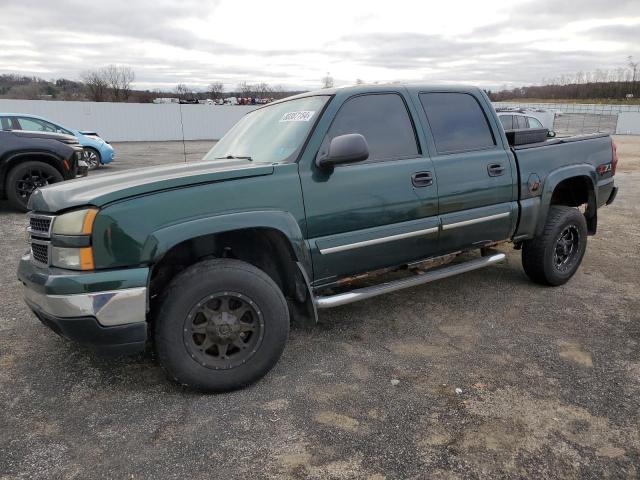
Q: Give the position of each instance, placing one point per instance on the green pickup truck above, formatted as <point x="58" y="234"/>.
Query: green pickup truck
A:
<point x="311" y="202"/>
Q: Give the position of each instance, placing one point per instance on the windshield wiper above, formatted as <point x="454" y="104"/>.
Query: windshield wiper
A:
<point x="234" y="157"/>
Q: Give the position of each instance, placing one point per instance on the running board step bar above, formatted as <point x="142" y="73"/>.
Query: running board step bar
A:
<point x="420" y="278"/>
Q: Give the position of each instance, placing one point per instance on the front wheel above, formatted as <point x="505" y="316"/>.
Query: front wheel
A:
<point x="24" y="178"/>
<point x="554" y="257"/>
<point x="223" y="325"/>
<point x="92" y="157"/>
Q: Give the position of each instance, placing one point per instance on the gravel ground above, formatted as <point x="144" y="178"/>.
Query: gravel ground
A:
<point x="482" y="375"/>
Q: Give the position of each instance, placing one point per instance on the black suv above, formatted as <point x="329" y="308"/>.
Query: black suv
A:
<point x="29" y="160"/>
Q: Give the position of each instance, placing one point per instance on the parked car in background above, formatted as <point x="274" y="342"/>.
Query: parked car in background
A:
<point x="513" y="120"/>
<point x="30" y="160"/>
<point x="96" y="151"/>
<point x="517" y="120"/>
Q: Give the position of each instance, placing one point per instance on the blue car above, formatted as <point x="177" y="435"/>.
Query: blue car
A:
<point x="96" y="151"/>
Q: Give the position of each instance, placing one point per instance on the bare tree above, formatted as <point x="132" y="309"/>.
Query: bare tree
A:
<point x="183" y="91"/>
<point x="97" y="85"/>
<point x="119" y="78"/>
<point x="111" y="82"/>
<point x="30" y="91"/>
<point x="633" y="66"/>
<point x="262" y="90"/>
<point x="327" y="81"/>
<point x="278" y="92"/>
<point x="244" y="89"/>
<point x="359" y="81"/>
<point x="216" y="89"/>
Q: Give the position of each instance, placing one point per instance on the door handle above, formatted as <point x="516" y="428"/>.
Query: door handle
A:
<point x="422" y="179"/>
<point x="495" y="169"/>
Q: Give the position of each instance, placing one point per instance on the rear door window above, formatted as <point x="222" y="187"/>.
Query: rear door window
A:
<point x="384" y="122"/>
<point x="35" y="125"/>
<point x="520" y="122"/>
<point x="457" y="122"/>
<point x="507" y="121"/>
<point x="534" y="123"/>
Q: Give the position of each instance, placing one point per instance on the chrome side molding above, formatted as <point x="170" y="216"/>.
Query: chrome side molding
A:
<point x="426" y="277"/>
<point x="463" y="223"/>
<point x="376" y="241"/>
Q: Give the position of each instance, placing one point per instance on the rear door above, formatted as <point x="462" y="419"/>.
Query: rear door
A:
<point x="476" y="175"/>
<point x="376" y="213"/>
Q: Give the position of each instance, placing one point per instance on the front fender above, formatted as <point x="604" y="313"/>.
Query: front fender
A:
<point x="554" y="179"/>
<point x="162" y="240"/>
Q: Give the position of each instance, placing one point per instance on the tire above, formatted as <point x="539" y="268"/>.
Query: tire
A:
<point x="564" y="239"/>
<point x="92" y="157"/>
<point x="190" y="332"/>
<point x="25" y="177"/>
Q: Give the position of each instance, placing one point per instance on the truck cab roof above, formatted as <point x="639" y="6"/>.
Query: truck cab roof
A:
<point x="385" y="87"/>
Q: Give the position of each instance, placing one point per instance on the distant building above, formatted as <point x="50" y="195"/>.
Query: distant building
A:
<point x="166" y="100"/>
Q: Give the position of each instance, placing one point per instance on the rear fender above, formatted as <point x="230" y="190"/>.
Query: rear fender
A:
<point x="555" y="178"/>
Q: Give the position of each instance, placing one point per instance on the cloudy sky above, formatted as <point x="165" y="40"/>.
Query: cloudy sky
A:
<point x="295" y="43"/>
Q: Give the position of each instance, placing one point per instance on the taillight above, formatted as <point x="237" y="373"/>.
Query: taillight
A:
<point x="614" y="157"/>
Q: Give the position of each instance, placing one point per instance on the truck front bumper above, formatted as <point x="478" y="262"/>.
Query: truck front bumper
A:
<point x="109" y="321"/>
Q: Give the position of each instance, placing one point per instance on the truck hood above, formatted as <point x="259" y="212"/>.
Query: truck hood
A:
<point x="100" y="190"/>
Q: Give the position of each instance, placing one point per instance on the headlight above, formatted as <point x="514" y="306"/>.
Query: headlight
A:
<point x="78" y="222"/>
<point x="72" y="258"/>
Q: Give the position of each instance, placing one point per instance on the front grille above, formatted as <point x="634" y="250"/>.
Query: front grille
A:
<point x="40" y="252"/>
<point x="40" y="225"/>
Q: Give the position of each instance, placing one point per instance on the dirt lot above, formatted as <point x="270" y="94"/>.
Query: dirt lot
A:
<point x="549" y="380"/>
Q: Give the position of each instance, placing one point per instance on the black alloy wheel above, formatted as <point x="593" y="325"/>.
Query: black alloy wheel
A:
<point x="25" y="178"/>
<point x="31" y="179"/>
<point x="223" y="330"/>
<point x="221" y="324"/>
<point x="553" y="257"/>
<point x="567" y="248"/>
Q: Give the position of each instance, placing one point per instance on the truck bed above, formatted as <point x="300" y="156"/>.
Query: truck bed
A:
<point x="548" y="162"/>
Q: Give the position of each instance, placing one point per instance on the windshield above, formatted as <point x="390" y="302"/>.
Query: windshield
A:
<point x="271" y="134"/>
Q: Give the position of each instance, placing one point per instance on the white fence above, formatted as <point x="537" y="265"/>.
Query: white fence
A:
<point x="581" y="118"/>
<point x="592" y="108"/>
<point x="628" y="123"/>
<point x="134" y="122"/>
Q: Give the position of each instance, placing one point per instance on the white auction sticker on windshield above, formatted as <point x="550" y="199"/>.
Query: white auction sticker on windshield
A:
<point x="303" y="116"/>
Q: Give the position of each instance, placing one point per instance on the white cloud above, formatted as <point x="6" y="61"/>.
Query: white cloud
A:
<point x="295" y="43"/>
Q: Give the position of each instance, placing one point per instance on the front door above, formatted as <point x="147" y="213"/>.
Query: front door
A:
<point x="376" y="213"/>
<point x="476" y="175"/>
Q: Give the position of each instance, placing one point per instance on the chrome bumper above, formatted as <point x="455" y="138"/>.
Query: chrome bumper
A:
<point x="116" y="307"/>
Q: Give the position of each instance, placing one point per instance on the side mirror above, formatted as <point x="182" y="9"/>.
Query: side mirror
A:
<point x="349" y="148"/>
<point x="551" y="134"/>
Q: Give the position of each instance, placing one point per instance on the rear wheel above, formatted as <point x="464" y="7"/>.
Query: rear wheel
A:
<point x="92" y="157"/>
<point x="554" y="257"/>
<point x="25" y="177"/>
<point x="223" y="324"/>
